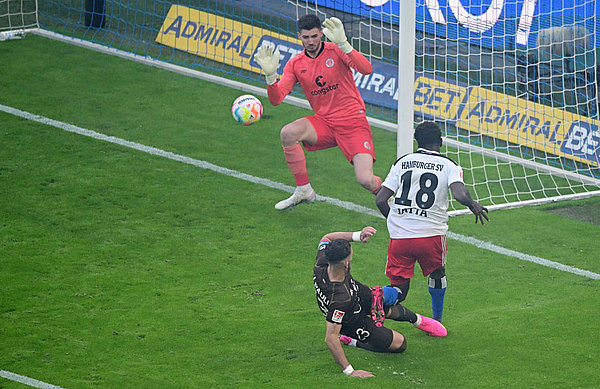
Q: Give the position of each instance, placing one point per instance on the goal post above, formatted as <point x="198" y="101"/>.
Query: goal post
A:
<point x="17" y="17"/>
<point x="514" y="83"/>
<point x="406" y="79"/>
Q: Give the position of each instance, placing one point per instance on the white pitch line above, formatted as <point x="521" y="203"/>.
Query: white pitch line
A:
<point x="524" y="257"/>
<point x="26" y="380"/>
<point x="277" y="185"/>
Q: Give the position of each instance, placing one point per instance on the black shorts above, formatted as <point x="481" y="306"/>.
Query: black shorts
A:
<point x="366" y="331"/>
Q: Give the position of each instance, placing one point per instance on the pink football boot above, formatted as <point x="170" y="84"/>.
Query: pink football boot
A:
<point x="432" y="327"/>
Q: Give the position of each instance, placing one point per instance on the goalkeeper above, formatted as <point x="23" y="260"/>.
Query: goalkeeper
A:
<point x="324" y="72"/>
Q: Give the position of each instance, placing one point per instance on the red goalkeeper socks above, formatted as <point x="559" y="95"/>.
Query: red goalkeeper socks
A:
<point x="296" y="160"/>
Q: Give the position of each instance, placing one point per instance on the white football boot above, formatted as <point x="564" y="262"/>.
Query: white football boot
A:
<point x="302" y="194"/>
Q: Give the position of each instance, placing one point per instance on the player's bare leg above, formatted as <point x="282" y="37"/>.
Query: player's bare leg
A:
<point x="292" y="135"/>
<point x="363" y="170"/>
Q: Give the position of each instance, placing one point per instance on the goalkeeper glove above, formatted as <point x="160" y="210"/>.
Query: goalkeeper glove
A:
<point x="268" y="61"/>
<point x="334" y="31"/>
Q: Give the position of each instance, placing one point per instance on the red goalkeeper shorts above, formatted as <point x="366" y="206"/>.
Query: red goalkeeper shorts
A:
<point x="352" y="136"/>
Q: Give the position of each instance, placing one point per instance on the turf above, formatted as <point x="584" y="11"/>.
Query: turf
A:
<point x="126" y="270"/>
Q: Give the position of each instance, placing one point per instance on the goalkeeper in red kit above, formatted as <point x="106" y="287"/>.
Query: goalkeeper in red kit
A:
<point x="324" y="72"/>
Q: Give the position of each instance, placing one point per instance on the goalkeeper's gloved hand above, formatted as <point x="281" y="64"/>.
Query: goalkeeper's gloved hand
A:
<point x="334" y="31"/>
<point x="268" y="61"/>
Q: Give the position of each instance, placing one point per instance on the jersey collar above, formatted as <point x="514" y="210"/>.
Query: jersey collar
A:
<point x="425" y="151"/>
<point x="319" y="53"/>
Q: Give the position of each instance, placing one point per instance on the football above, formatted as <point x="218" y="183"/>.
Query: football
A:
<point x="247" y="109"/>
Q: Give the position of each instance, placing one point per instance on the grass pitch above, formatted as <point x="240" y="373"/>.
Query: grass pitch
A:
<point x="126" y="270"/>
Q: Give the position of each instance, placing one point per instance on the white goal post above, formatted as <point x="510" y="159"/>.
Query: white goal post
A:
<point x="17" y="17"/>
<point x="513" y="82"/>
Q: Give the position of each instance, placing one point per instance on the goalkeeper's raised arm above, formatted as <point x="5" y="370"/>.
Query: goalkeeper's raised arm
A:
<point x="324" y="71"/>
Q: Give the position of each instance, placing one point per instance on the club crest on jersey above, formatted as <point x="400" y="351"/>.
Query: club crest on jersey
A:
<point x="329" y="62"/>
<point x="367" y="145"/>
<point x="337" y="316"/>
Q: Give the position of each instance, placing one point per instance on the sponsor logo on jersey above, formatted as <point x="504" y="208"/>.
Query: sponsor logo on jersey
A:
<point x="337" y="316"/>
<point x="325" y="90"/>
<point x="322" y="300"/>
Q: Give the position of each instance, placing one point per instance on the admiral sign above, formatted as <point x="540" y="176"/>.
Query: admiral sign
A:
<point x="221" y="39"/>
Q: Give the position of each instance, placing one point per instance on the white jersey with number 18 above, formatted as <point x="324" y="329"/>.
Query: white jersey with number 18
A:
<point x="420" y="181"/>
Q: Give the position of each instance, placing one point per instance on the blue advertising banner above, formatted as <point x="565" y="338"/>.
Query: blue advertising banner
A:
<point x="490" y="23"/>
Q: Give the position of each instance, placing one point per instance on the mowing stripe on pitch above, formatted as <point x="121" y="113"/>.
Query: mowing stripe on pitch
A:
<point x="26" y="380"/>
<point x="273" y="184"/>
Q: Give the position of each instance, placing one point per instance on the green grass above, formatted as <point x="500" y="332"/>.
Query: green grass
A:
<point x="126" y="270"/>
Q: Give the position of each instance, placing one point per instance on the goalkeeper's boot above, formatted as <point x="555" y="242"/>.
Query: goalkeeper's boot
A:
<point x="432" y="327"/>
<point x="302" y="194"/>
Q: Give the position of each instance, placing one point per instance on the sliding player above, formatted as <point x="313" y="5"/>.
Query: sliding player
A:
<point x="355" y="313"/>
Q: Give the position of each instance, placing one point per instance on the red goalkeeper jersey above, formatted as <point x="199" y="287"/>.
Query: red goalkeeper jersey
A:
<point x="327" y="81"/>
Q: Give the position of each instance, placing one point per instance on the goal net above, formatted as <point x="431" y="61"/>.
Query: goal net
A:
<point x="513" y="82"/>
<point x="17" y="16"/>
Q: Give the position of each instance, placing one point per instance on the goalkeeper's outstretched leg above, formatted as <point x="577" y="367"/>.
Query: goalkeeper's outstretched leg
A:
<point x="292" y="135"/>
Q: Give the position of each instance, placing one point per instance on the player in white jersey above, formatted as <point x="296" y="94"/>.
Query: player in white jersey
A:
<point x="417" y="219"/>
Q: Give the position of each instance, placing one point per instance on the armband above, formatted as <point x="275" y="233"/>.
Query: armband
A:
<point x="348" y="370"/>
<point x="356" y="236"/>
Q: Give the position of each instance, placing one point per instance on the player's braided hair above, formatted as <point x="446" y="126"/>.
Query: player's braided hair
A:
<point x="337" y="251"/>
<point x="308" y="22"/>
<point x="428" y="134"/>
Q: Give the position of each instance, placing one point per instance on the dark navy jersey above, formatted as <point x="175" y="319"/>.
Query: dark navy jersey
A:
<point x="347" y="302"/>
